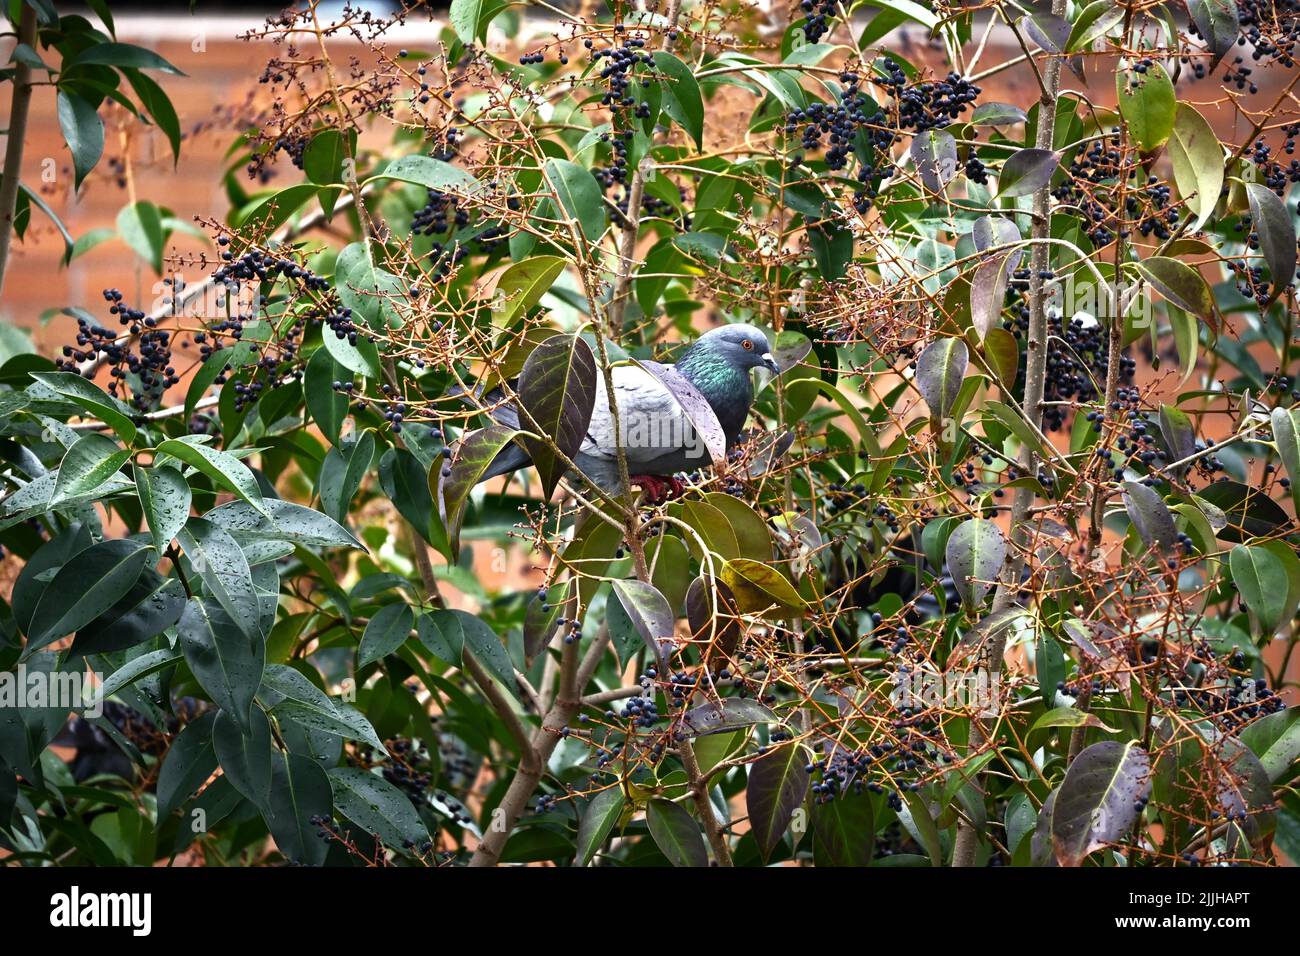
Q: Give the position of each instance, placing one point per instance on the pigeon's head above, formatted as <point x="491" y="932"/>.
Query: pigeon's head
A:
<point x="744" y="346"/>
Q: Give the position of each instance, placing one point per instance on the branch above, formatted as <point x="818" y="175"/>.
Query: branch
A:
<point x="17" y="133"/>
<point x="967" y="842"/>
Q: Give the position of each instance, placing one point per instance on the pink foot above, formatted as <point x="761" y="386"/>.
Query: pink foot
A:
<point x="655" y="490"/>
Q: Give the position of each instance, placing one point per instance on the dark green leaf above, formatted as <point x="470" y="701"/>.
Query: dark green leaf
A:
<point x="226" y="661"/>
<point x="165" y="499"/>
<point x="598" y="822"/>
<point x="87" y="464"/>
<point x="189" y="762"/>
<point x="557" y="388"/>
<point x="777" y="785"/>
<point x="385" y="633"/>
<point x="974" y="555"/>
<point x="245" y="757"/>
<point x="84" y="132"/>
<point x="676" y="834"/>
<point x="377" y="807"/>
<point x="1097" y="800"/>
<point x="89" y="584"/>
<point x="300" y="791"/>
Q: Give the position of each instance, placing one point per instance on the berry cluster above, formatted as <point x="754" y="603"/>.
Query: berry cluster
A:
<point x="1094" y="172"/>
<point x="818" y="21"/>
<point x="1078" y="358"/>
<point x="856" y="127"/>
<point x="140" y="361"/>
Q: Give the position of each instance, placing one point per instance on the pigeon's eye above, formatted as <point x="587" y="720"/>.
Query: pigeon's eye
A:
<point x="747" y="345"/>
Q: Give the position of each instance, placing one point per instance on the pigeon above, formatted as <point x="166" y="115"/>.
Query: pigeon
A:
<point x="658" y="437"/>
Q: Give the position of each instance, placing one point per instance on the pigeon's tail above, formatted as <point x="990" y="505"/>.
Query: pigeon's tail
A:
<point x="508" y="459"/>
<point x="511" y="457"/>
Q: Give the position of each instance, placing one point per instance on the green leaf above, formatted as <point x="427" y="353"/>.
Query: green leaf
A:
<point x="1197" y="158"/>
<point x="684" y="102"/>
<point x="153" y="604"/>
<point x="92" y="398"/>
<point x="557" y="388"/>
<point x="1178" y="282"/>
<point x="579" y="195"/>
<point x="1273" y="224"/>
<point x="189" y="762"/>
<point x="225" y="470"/>
<point x="649" y="613"/>
<point x="70" y="249"/>
<point x="271" y="212"/>
<point x="676" y="834"/>
<point x="84" y="132"/>
<point x="1097" y="801"/>
<point x="1219" y="23"/>
<point x="279" y="520"/>
<point x="431" y="174"/>
<point x="1069" y="717"/>
<point x="90" y="583"/>
<point x="300" y="791"/>
<point x="342" y="472"/>
<point x="1016" y="424"/>
<point x="997" y="114"/>
<point x="324" y="156"/>
<point x="522" y="285"/>
<point x="245" y="757"/>
<point x="935" y="155"/>
<point x="123" y="55"/>
<point x="974" y="555"/>
<point x="909" y="9"/>
<point x="227" y="663"/>
<point x="140" y="225"/>
<point x="165" y="500"/>
<point x="377" y="807"/>
<point x="753" y="540"/>
<point x="386" y="632"/>
<point x="219" y="561"/>
<point x="1147" y="104"/>
<point x="598" y="822"/>
<point x="1275" y="740"/>
<point x="940" y="369"/>
<point x="487" y="648"/>
<point x="472" y="459"/>
<point x="1092" y="23"/>
<point x="360" y="358"/>
<point x="777" y="785"/>
<point x="441" y="634"/>
<point x="1150" y="515"/>
<point x="1261" y="579"/>
<point x="843" y="831"/>
<point x="988" y="290"/>
<point x="135" y="669"/>
<point x="1026" y="171"/>
<point x="832" y="246"/>
<point x="87" y="465"/>
<point x="406" y="483"/>
<point x="328" y="407"/>
<point x="757" y="586"/>
<point x="159" y="106"/>
<point x="464" y="18"/>
<point x="291" y="694"/>
<point x="1286" y="435"/>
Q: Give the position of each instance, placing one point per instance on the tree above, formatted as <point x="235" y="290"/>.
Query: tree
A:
<point x="1001" y="570"/>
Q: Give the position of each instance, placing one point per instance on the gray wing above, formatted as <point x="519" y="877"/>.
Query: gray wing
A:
<point x="657" y="436"/>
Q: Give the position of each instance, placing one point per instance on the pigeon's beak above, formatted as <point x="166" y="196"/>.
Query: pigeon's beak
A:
<point x="770" y="363"/>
